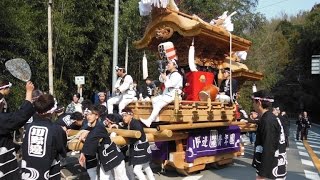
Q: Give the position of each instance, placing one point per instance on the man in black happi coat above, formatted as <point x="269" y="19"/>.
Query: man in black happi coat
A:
<point x="8" y="123"/>
<point x="270" y="157"/>
<point x="43" y="143"/>
<point x="139" y="149"/>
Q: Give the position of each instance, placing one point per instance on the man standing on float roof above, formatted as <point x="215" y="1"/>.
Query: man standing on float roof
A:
<point x="172" y="82"/>
<point x="123" y="89"/>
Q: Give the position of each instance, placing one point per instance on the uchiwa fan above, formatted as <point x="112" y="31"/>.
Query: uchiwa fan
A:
<point x="19" y="68"/>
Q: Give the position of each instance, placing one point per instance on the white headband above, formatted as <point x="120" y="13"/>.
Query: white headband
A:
<point x="86" y="111"/>
<point x="263" y="99"/>
<point x="52" y="109"/>
<point x="130" y="113"/>
<point x="6" y="86"/>
<point x="117" y="68"/>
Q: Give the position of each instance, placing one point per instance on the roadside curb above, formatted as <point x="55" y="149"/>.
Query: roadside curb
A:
<point x="313" y="156"/>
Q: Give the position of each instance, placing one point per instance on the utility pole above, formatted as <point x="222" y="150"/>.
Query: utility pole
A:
<point x="115" y="43"/>
<point x="50" y="66"/>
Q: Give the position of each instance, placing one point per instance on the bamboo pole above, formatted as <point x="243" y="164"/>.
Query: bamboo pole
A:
<point x="248" y="126"/>
<point x="150" y="130"/>
<point x="238" y="123"/>
<point x="247" y="129"/>
<point x="126" y="133"/>
<point x="119" y="140"/>
<point x="175" y="136"/>
<point x="120" y="132"/>
<point x="164" y="133"/>
<point x="174" y="127"/>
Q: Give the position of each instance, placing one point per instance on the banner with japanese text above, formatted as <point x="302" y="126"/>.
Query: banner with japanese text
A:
<point x="212" y="142"/>
<point x="160" y="150"/>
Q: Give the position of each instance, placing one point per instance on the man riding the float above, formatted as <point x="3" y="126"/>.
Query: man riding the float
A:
<point x="123" y="89"/>
<point x="172" y="82"/>
<point x="225" y="86"/>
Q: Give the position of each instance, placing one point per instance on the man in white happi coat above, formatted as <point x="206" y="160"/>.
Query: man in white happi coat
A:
<point x="123" y="89"/>
<point x="172" y="82"/>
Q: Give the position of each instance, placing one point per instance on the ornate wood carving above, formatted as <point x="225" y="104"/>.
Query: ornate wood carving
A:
<point x="164" y="33"/>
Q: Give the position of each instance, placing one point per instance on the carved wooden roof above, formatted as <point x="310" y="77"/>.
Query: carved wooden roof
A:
<point x="211" y="42"/>
<point x="246" y="75"/>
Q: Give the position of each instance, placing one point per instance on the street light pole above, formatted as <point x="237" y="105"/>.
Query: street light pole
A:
<point x="50" y="66"/>
<point x="115" y="43"/>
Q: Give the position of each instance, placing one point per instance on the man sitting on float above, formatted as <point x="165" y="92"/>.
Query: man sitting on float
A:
<point x="224" y="90"/>
<point x="123" y="90"/>
<point x="172" y="82"/>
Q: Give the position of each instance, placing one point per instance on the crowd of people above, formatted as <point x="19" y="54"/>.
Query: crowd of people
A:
<point x="47" y="126"/>
<point x="46" y="139"/>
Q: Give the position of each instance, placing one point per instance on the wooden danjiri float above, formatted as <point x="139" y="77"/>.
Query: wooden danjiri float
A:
<point x="193" y="133"/>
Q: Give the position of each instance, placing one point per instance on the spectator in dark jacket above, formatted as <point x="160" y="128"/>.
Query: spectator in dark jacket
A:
<point x="306" y="124"/>
<point x="299" y="127"/>
<point x="286" y="125"/>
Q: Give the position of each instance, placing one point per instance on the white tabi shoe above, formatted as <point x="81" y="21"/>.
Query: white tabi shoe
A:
<point x="146" y="122"/>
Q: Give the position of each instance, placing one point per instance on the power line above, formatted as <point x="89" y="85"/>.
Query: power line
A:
<point x="272" y="4"/>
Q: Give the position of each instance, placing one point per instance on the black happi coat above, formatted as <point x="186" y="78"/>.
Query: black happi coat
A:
<point x="270" y="157"/>
<point x="109" y="154"/>
<point x="42" y="145"/>
<point x="286" y="124"/>
<point x="299" y="124"/>
<point x="306" y="122"/>
<point x="64" y="120"/>
<point x="139" y="149"/>
<point x="91" y="160"/>
<point x="225" y="87"/>
<point x="8" y="123"/>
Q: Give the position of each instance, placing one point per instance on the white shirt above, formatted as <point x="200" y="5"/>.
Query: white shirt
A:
<point x="172" y="84"/>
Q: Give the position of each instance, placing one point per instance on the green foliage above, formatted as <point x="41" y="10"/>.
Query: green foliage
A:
<point x="83" y="45"/>
<point x="299" y="90"/>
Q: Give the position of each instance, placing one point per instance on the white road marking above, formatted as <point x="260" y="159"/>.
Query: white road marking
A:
<point x="314" y="146"/>
<point x="299" y="143"/>
<point x="315" y="141"/>
<point x="303" y="154"/>
<point x="316" y="152"/>
<point x="311" y="175"/>
<point x="193" y="177"/>
<point x="307" y="162"/>
<point x="313" y="138"/>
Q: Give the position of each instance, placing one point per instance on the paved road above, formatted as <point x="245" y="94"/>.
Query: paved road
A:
<point x="300" y="165"/>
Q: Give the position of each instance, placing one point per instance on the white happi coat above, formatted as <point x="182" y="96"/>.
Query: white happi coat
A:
<point x="172" y="84"/>
<point x="126" y="95"/>
<point x="126" y="87"/>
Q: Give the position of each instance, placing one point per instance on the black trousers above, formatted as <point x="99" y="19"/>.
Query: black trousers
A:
<point x="298" y="133"/>
<point x="304" y="133"/>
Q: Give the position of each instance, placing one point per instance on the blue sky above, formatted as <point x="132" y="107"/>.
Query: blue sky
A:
<point x="274" y="8"/>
